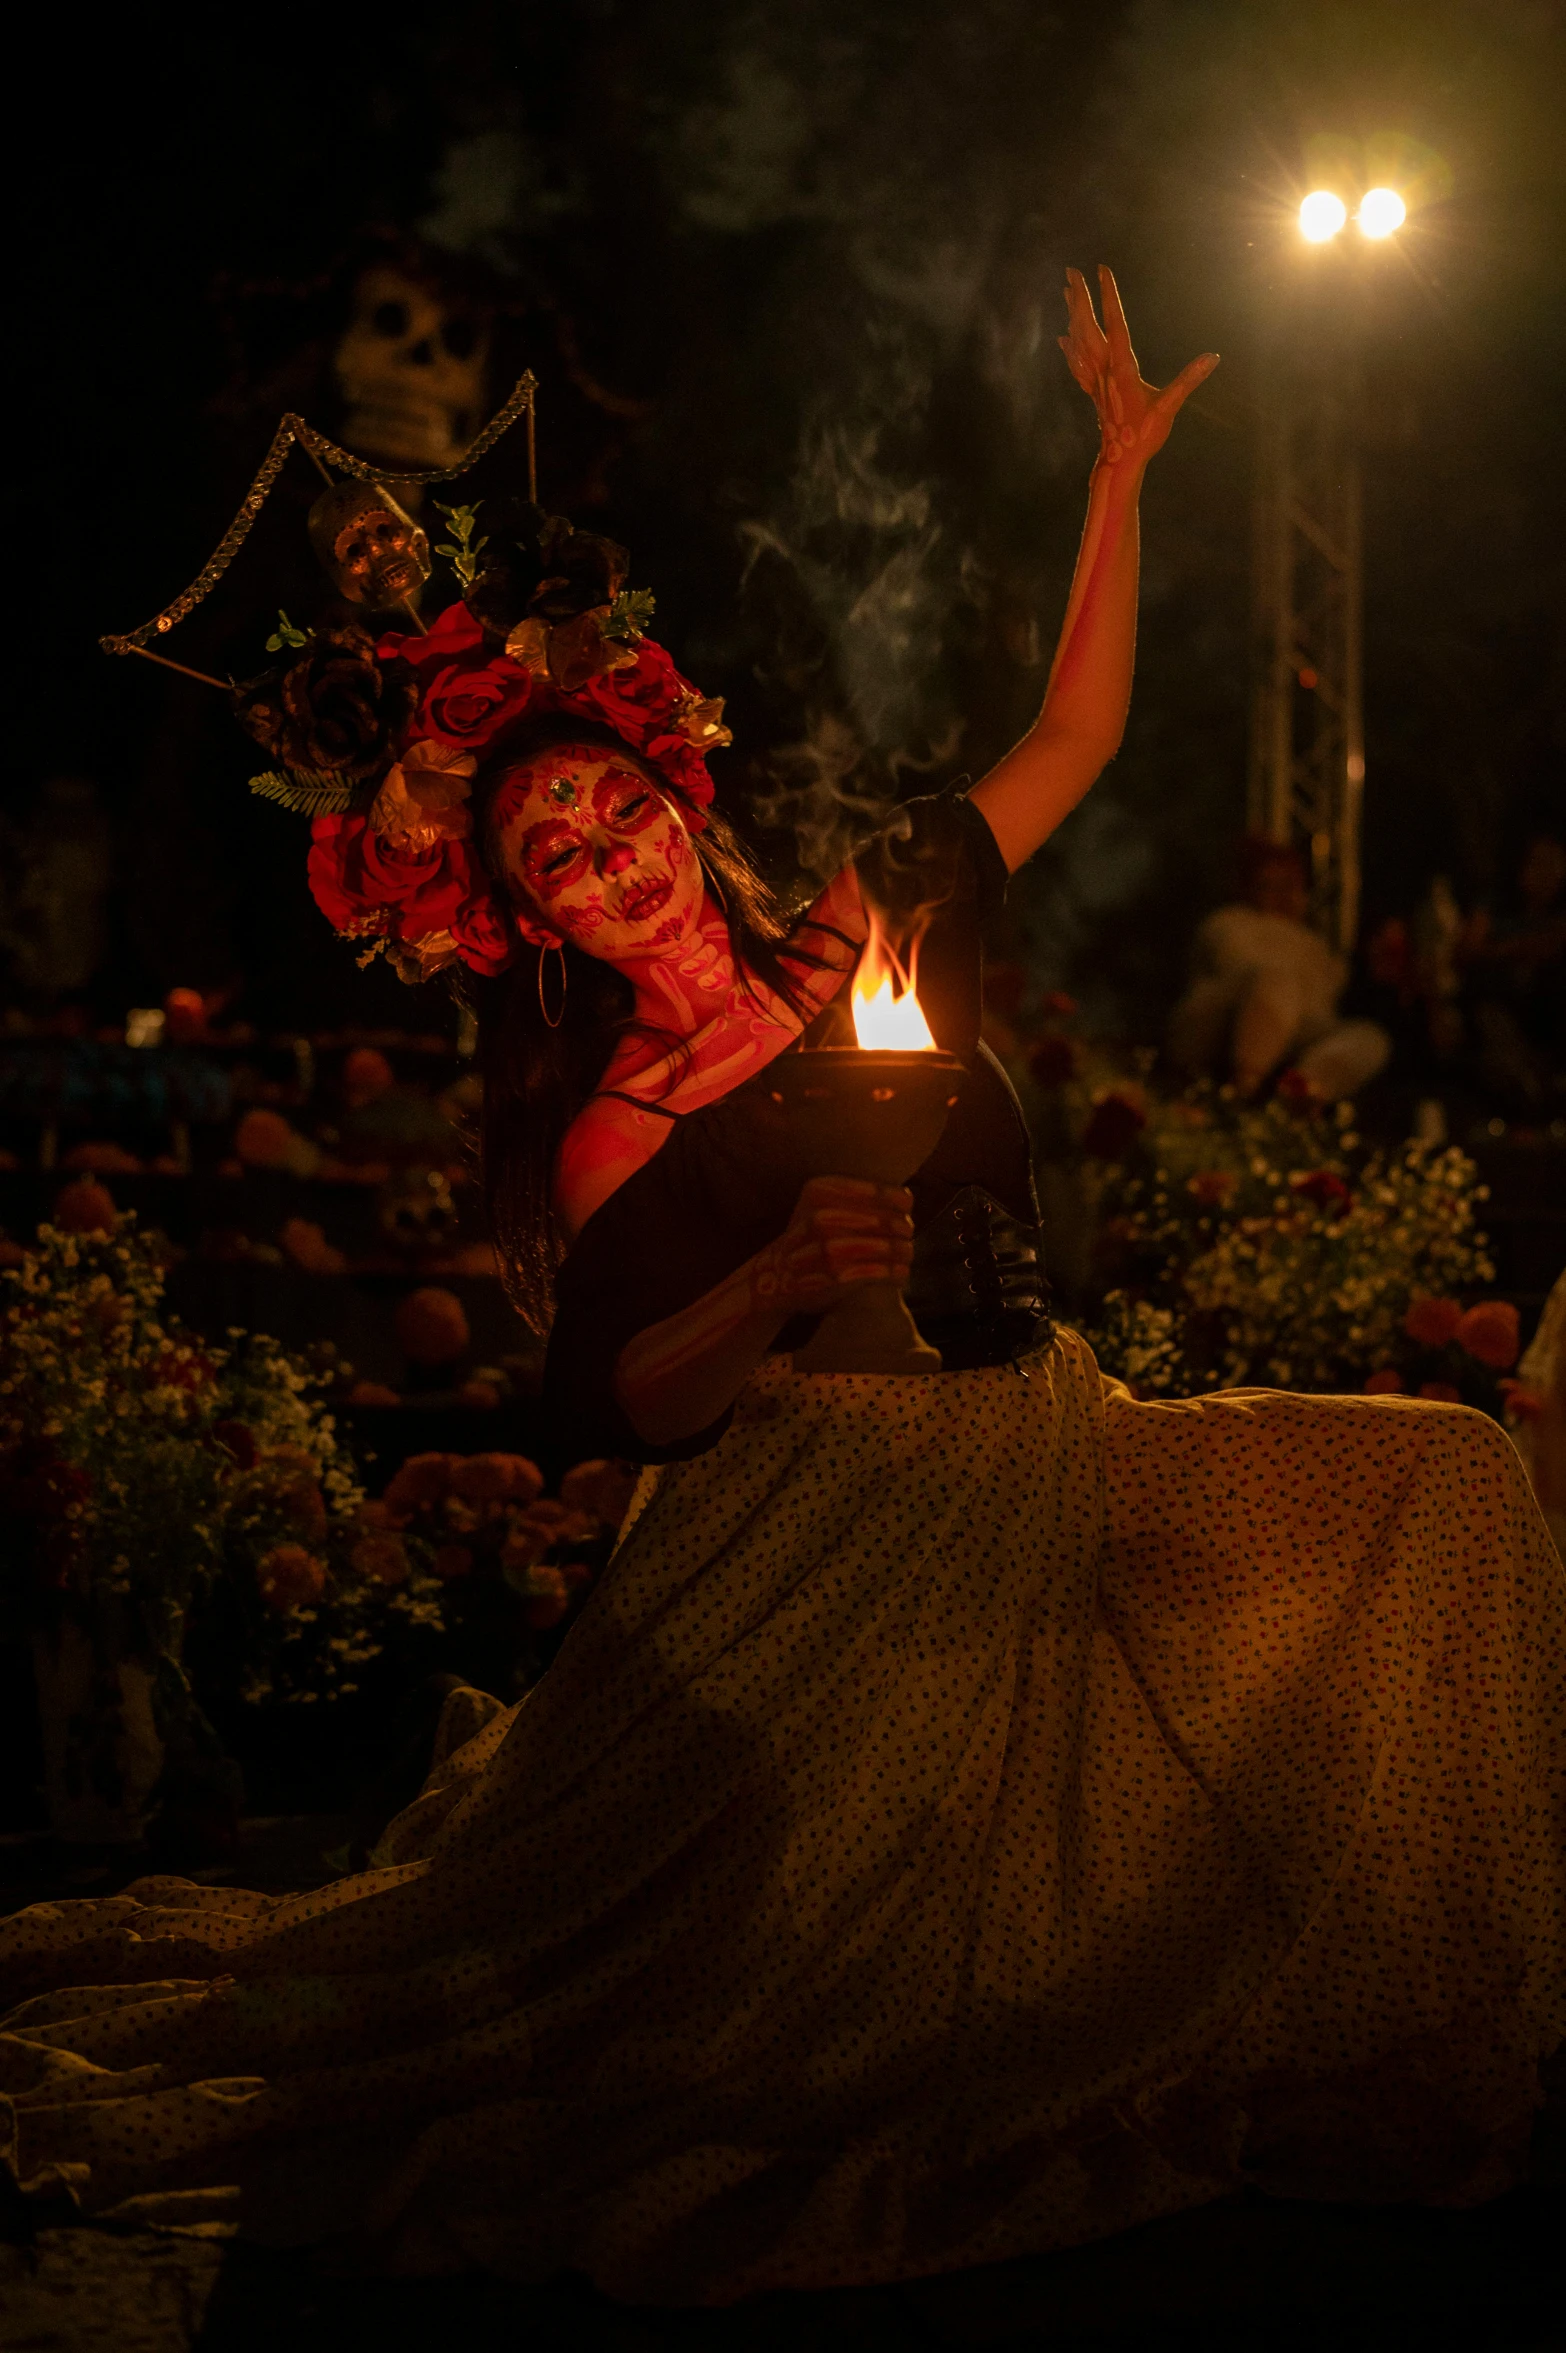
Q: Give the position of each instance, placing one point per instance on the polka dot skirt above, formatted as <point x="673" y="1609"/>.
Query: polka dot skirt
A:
<point x="973" y="1815"/>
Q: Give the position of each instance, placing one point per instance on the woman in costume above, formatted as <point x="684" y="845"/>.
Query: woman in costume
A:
<point x="976" y="1811"/>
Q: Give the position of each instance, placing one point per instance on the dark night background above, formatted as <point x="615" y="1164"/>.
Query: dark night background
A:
<point x="814" y="253"/>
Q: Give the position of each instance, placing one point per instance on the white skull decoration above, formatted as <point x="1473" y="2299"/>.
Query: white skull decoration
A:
<point x="412" y="371"/>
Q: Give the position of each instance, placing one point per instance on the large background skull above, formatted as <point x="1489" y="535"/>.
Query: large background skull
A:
<point x="413" y="371"/>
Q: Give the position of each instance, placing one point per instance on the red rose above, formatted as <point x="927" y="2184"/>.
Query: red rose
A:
<point x="361" y="882"/>
<point x="1432" y="1322"/>
<point x="468" y="702"/>
<point x="1489" y="1332"/>
<point x="485" y="935"/>
<point x="456" y="632"/>
<point x="640" y="700"/>
<point x="1386" y="1383"/>
<point x="1441" y="1392"/>
<point x="1329" y="1192"/>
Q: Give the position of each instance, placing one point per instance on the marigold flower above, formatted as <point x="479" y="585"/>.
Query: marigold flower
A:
<point x="305" y="1243"/>
<point x="431" y="1326"/>
<point x="1433" y="1322"/>
<point x="383" y="1557"/>
<point x="290" y="1578"/>
<point x="372" y="1393"/>
<point x="102" y="1160"/>
<point x="601" y="1489"/>
<point x="1489" y="1332"/>
<point x="1385" y="1383"/>
<point x="424" y="1479"/>
<point x="263" y="1139"/>
<point x="495" y="1478"/>
<point x="1442" y="1392"/>
<point x="549" y="1596"/>
<point x="366" y="1076"/>
<point x="85" y="1208"/>
<point x="1522" y="1403"/>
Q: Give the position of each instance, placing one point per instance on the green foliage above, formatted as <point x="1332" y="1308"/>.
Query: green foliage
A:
<point x="462" y="549"/>
<point x="162" y="1485"/>
<point x="630" y="613"/>
<point x="286" y="634"/>
<point x="308" y="792"/>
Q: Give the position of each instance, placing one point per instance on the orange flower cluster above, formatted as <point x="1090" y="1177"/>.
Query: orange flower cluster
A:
<point x="478" y="1508"/>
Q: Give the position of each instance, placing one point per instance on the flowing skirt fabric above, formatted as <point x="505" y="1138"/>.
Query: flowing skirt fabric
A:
<point x="974" y="1814"/>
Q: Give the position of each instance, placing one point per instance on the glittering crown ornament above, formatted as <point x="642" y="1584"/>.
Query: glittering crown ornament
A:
<point x="380" y="740"/>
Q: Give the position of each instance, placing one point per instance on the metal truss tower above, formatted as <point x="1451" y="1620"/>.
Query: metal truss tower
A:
<point x="1307" y="751"/>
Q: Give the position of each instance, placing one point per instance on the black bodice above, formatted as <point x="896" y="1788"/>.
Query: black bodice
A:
<point x="719" y="1189"/>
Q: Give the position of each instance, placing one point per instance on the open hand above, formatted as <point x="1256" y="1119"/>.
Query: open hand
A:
<point x="1134" y="418"/>
<point x="844" y="1233"/>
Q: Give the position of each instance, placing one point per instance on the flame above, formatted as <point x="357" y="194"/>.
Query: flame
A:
<point x="883" y="1021"/>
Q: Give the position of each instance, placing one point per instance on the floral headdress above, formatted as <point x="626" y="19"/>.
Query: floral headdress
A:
<point x="380" y="739"/>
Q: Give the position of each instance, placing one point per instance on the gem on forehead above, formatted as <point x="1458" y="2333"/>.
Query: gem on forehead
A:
<point x="561" y="789"/>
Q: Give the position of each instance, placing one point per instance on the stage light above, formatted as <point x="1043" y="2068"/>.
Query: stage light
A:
<point x="1381" y="210"/>
<point x="1322" y="215"/>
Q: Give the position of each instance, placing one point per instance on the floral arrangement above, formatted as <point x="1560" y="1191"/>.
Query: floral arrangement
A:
<point x="1263" y="1242"/>
<point x="149" y="1474"/>
<point x="380" y="740"/>
<point x="514" y="1563"/>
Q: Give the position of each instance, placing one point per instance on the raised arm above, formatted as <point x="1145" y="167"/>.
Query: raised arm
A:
<point x="1078" y="731"/>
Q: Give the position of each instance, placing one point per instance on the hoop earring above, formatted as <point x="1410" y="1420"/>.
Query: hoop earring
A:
<point x="553" y="1019"/>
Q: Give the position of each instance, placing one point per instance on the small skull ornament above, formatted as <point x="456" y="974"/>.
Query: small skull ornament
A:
<point x="416" y="1212"/>
<point x="370" y="548"/>
<point x="413" y="372"/>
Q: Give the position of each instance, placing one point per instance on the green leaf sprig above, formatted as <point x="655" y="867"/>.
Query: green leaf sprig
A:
<point x="286" y="634"/>
<point x="462" y="549"/>
<point x="630" y="613"/>
<point x="309" y="792"/>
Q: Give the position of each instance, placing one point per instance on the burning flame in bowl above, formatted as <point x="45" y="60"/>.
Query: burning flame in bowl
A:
<point x="887" y="1014"/>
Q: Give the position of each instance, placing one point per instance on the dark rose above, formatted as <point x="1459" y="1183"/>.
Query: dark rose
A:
<point x="485" y="935"/>
<point x="577" y="569"/>
<point x="335" y="707"/>
<point x="468" y="702"/>
<point x="237" y="1440"/>
<point x="1114" y="1127"/>
<point x="537" y="567"/>
<point x="362" y="883"/>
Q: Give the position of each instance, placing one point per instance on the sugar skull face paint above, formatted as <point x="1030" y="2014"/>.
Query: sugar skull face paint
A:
<point x="595" y="853"/>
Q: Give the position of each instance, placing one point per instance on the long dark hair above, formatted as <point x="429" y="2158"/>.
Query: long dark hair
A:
<point x="537" y="1078"/>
